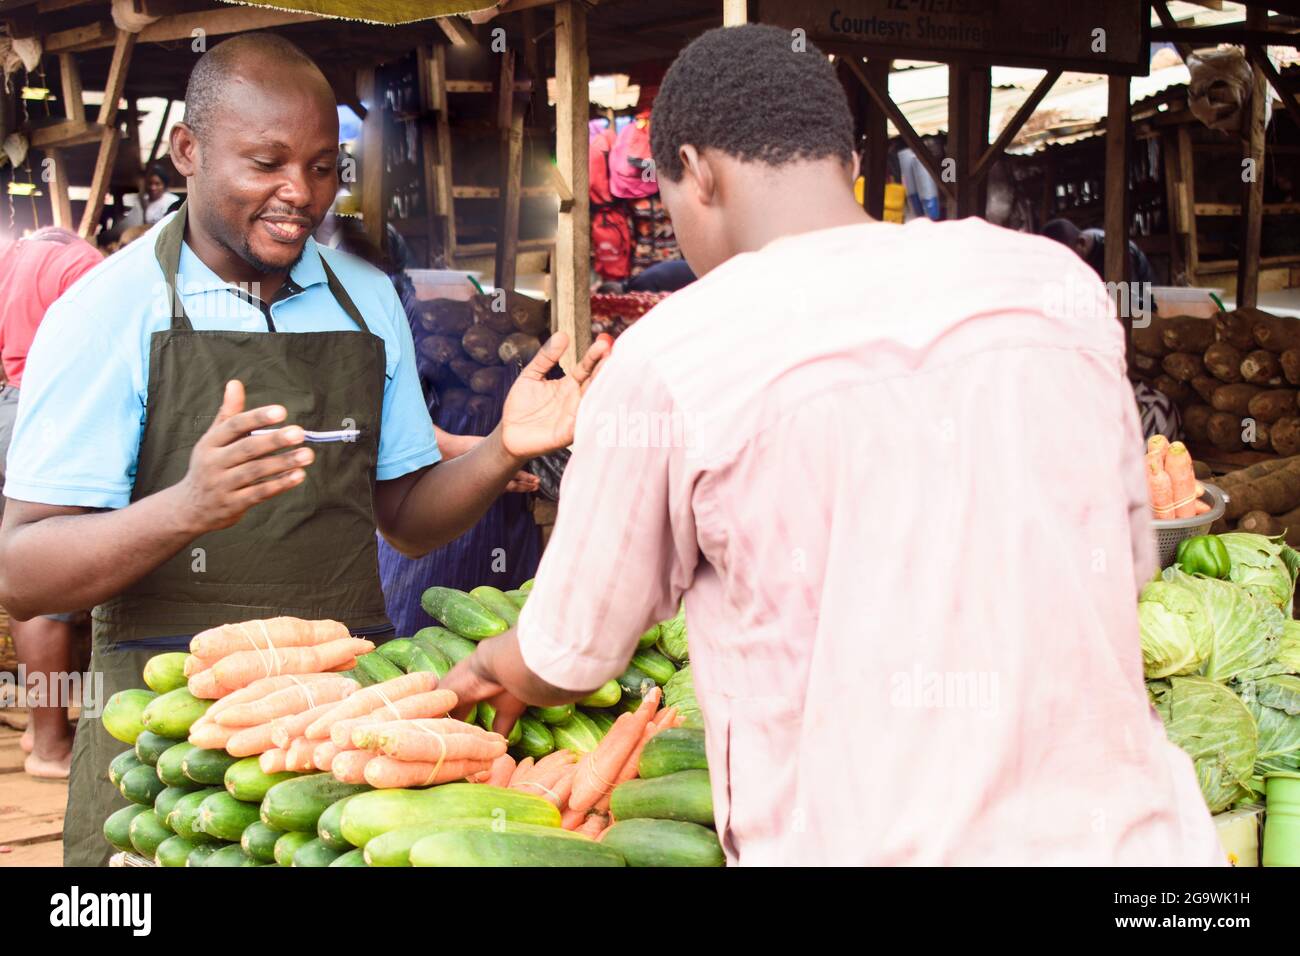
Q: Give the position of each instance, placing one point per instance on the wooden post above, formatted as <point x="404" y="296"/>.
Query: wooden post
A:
<point x="60" y="204"/>
<point x="572" y="311"/>
<point x="1187" y="201"/>
<point x="1173" y="206"/>
<point x="961" y="137"/>
<point x="111" y="137"/>
<point x="1116" y="197"/>
<point x="133" y="131"/>
<point x="74" y="106"/>
<point x="735" y="13"/>
<point x="428" y="148"/>
<point x="981" y="103"/>
<point x="874" y="171"/>
<point x="510" y="121"/>
<point x="372" y="156"/>
<point x="444" y="202"/>
<point x="162" y="134"/>
<point x="1252" y="204"/>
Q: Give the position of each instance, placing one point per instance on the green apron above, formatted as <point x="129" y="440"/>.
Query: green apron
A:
<point x="309" y="552"/>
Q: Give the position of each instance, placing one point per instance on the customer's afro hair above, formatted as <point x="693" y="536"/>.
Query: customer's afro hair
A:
<point x="745" y="92"/>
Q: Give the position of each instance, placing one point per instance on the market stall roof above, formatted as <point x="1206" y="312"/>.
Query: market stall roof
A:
<point x="384" y="12"/>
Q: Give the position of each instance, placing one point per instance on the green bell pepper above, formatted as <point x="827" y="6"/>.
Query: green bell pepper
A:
<point x="1204" y="554"/>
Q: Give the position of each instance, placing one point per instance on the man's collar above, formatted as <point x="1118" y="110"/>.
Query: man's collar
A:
<point x="198" y="278"/>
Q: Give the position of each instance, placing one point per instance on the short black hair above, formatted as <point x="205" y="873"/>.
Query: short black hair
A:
<point x="157" y="170"/>
<point x="1063" y="231"/>
<point x="207" y="83"/>
<point x="746" y="92"/>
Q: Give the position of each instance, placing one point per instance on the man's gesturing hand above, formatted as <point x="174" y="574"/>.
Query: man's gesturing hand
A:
<point x="539" y="412"/>
<point x="232" y="470"/>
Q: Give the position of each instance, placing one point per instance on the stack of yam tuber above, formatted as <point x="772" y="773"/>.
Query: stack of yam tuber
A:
<point x="1204" y="386"/>
<point x="1224" y="430"/>
<point x="1286" y="436"/>
<point x="1236" y="328"/>
<point x="1183" y="366"/>
<point x="1149" y="339"/>
<point x="1275" y="333"/>
<point x="1270" y="405"/>
<point x="446" y="317"/>
<point x="1272" y="487"/>
<point x="1234" y="398"/>
<point x="1180" y="393"/>
<point x="1186" y="334"/>
<point x="482" y="344"/>
<point x="1261" y="367"/>
<point x="1223" y="361"/>
<point x="1290" y="362"/>
<point x="1196" y="421"/>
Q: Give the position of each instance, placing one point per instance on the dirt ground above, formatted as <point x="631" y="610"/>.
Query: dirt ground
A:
<point x="31" y="811"/>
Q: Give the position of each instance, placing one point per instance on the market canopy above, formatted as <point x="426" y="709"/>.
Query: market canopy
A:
<point x="389" y="12"/>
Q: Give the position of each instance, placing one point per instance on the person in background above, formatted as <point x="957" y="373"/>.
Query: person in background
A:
<point x="34" y="272"/>
<point x="922" y="192"/>
<point x="990" y="671"/>
<point x="154" y="199"/>
<point x="667" y="276"/>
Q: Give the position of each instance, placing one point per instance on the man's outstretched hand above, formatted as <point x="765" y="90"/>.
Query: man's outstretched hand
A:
<point x="471" y="687"/>
<point x="539" y="413"/>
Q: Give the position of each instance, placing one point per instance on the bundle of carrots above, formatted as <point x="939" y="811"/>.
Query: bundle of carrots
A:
<point x="228" y="658"/>
<point x="241" y="723"/>
<point x="580" y="787"/>
<point x="1171" y="480"/>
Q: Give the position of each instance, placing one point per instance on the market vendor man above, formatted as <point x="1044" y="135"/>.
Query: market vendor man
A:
<point x="902" y="496"/>
<point x="125" y="493"/>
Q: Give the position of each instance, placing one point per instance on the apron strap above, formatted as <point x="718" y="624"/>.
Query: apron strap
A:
<point x="341" y="296"/>
<point x="167" y="249"/>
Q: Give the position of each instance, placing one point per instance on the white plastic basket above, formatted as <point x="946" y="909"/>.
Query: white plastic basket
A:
<point x="1170" y="532"/>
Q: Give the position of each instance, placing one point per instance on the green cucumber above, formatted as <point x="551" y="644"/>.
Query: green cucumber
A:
<point x="223" y="817"/>
<point x="201" y="852"/>
<point x="581" y="717"/>
<point x="166" y="672"/>
<point x="146" y="832"/>
<point x="664" y="843"/>
<point x="487" y="715"/>
<point x="354" y="857"/>
<point x="298" y="804"/>
<point x="576" y="734"/>
<point x="535" y="738"/>
<point x="684" y="796"/>
<point x="634" y="682"/>
<point x="371" y="814"/>
<point x="150" y="746"/>
<point x="166" y="801"/>
<point x="397" y="651"/>
<point x="455" y="647"/>
<point x="517" y="598"/>
<point x="607" y="695"/>
<point x="141" y="785"/>
<point x="649" y="661"/>
<point x="230" y="855"/>
<point x="184" y="817"/>
<point x="258" y="841"/>
<point x="552" y="715"/>
<point x="438" y="660"/>
<point x="374" y="668"/>
<point x="117" y="828"/>
<point x="174" y="851"/>
<point x="420" y="660"/>
<point x="123" y="715"/>
<point x="207" y="767"/>
<point x="169" y="765"/>
<point x="602" y="719"/>
<point x="123" y="762"/>
<point x="244" y="780"/>
<point x="329" y="826"/>
<point x="671" y="750"/>
<point x="495" y="600"/>
<point x="315" y="853"/>
<point x="172" y="713"/>
<point x="288" y="845"/>
<point x="648" y="639"/>
<point x="511" y="845"/>
<point x="461" y="614"/>
<point x="527" y="586"/>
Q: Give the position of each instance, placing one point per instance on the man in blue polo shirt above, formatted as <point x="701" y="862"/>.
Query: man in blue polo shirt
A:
<point x="125" y="494"/>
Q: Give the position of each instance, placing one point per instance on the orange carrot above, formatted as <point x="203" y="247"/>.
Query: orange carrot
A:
<point x="598" y="770"/>
<point x="594" y="825"/>
<point x="1182" y="479"/>
<point x="1161" y="490"/>
<point x="304" y="695"/>
<point x="411" y="742"/>
<point x="259" y="689"/>
<point x="502" y="768"/>
<point x="1201" y="507"/>
<point x="386" y="772"/>
<point x="368" y="698"/>
<point x="218" y="642"/>
<point x="349" y="766"/>
<point x="629" y="769"/>
<point x="194" y="664"/>
<point x="555" y="785"/>
<point x="243" y="667"/>
<point x="366" y="736"/>
<point x="481" y="777"/>
<point x="433" y="703"/>
<point x="299" y="755"/>
<point x="1157" y="448"/>
<point x="571" y="819"/>
<point x="284" y="729"/>
<point x="272" y="761"/>
<point x="601" y="835"/>
<point x="521" y="771"/>
<point x="341" y="731"/>
<point x="208" y="735"/>
<point x="250" y="741"/>
<point x="322" y="757"/>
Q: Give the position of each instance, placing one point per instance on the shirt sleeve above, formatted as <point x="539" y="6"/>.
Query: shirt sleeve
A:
<point x="406" y="439"/>
<point x="624" y="547"/>
<point x="80" y="413"/>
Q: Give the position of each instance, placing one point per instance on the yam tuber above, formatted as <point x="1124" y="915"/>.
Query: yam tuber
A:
<point x="1286" y="436"/>
<point x="1223" y="361"/>
<point x="1234" y="398"/>
<point x="1180" y="393"/>
<point x="493" y="312"/>
<point x="1224" y="430"/>
<point x="1204" y="386"/>
<point x="482" y="344"/>
<point x="520" y="348"/>
<point x="1273" y="404"/>
<point x="1149" y="340"/>
<point x="1274" y="332"/>
<point x="1236" y="328"/>
<point x="1273" y="490"/>
<point x="1187" y="334"/>
<point x="1259" y="522"/>
<point x="1183" y="366"/>
<point x="488" y="381"/>
<point x="1290" y="362"/>
<point x="1196" y="420"/>
<point x="1261" y="367"/>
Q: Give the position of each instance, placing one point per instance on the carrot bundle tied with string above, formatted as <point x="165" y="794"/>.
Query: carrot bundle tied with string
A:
<point x="218" y="642"/>
<point x="1182" y="480"/>
<point x="369" y="698"/>
<point x="598" y="770"/>
<point x="237" y="670"/>
<point x="299" y="696"/>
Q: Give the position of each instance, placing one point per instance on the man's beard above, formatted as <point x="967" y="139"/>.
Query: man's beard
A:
<point x="245" y="251"/>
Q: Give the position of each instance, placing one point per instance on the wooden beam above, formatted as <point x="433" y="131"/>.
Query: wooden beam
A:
<point x="66" y="133"/>
<point x="735" y="13"/>
<point x="1173" y="209"/>
<point x="510" y="118"/>
<point x="215" y="22"/>
<point x="428" y="149"/>
<point x="99" y="181"/>
<point x="561" y="188"/>
<point x="572" y="312"/>
<point x="1116" y="196"/>
<point x="981" y="105"/>
<point x="1288" y="95"/>
<point x="880" y="93"/>
<point x="60" y="204"/>
<point x="122" y="47"/>
<point x="961" y="139"/>
<point x="1169" y="23"/>
<point x="1187" y="201"/>
<point x="877" y="135"/>
<point x="162" y="134"/>
<point x="53" y="6"/>
<point x="1201" y="37"/>
<point x="372" y="157"/>
<point x="133" y="130"/>
<point x="444" y="201"/>
<point x="1017" y="123"/>
<point x="458" y="31"/>
<point x="93" y="35"/>
<point x="74" y="103"/>
<point x="1252" y="220"/>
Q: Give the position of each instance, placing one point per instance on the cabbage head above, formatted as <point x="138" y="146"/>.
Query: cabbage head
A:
<point x="1263" y="566"/>
<point x="672" y="637"/>
<point x="1211" y="723"/>
<point x="1288" y="649"/>
<point x="1174" y="626"/>
<point x="1274" y="702"/>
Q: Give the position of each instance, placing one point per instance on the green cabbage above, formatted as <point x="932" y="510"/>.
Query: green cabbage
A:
<point x="672" y="637"/>
<point x="1274" y="702"/>
<point x="1262" y="566"/>
<point x="1175" y="629"/>
<point x="1288" y="649"/>
<point x="1245" y="632"/>
<point x="1211" y="723"/>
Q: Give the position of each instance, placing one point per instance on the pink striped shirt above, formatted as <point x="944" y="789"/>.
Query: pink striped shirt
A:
<point x="896" y="473"/>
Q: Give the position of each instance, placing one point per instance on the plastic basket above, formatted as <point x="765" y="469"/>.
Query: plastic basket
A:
<point x="1174" y="530"/>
